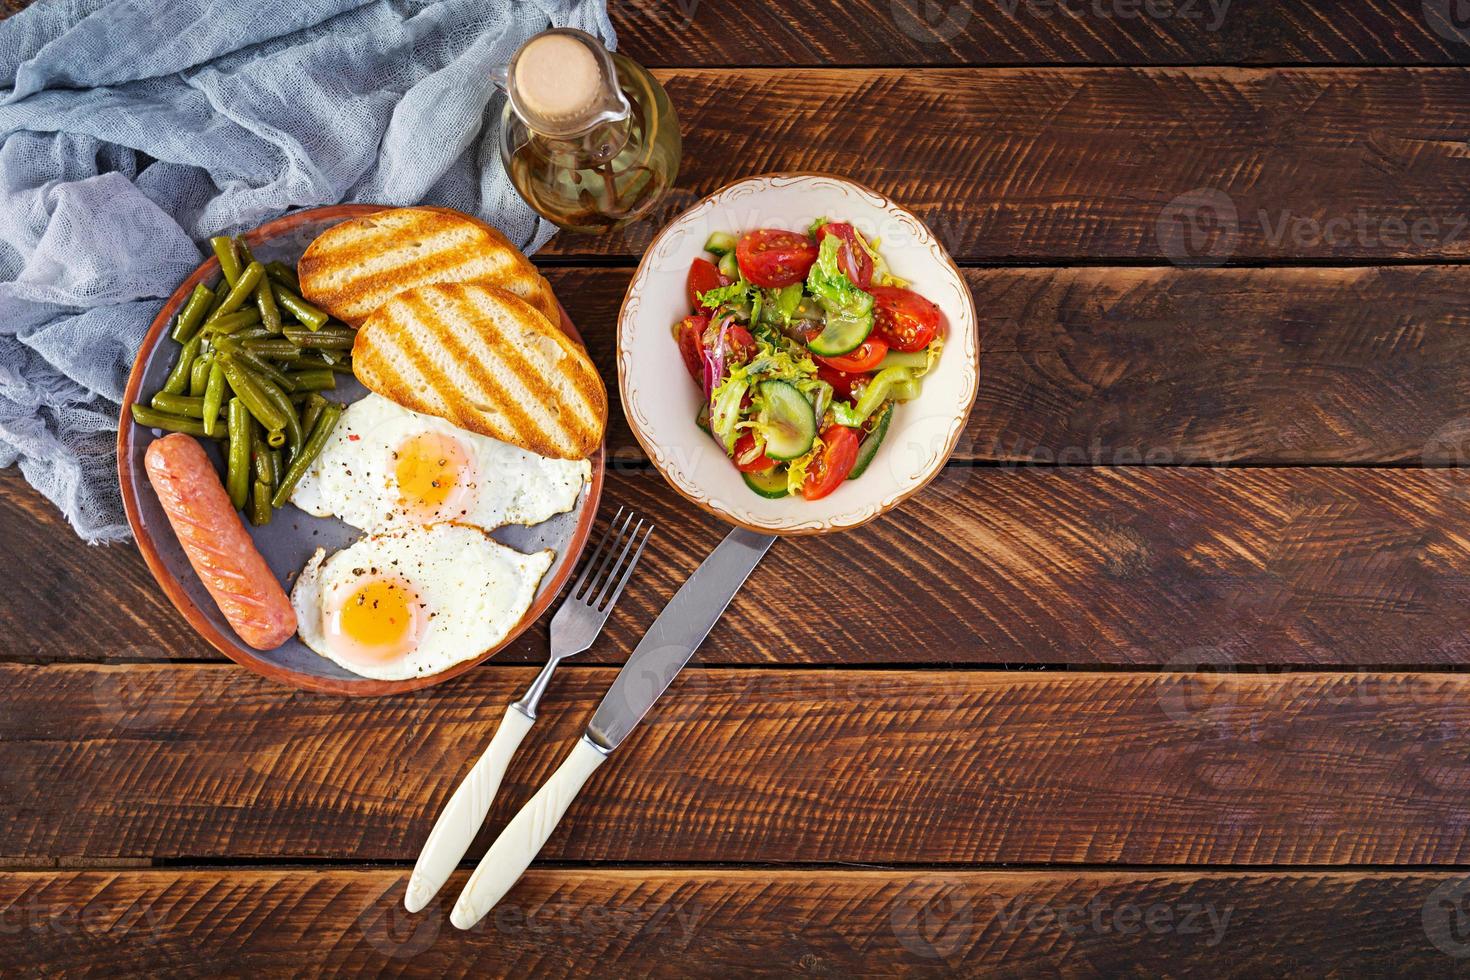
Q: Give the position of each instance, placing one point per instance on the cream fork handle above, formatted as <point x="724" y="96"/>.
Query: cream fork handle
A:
<point x="523" y="838"/>
<point x="465" y="812"/>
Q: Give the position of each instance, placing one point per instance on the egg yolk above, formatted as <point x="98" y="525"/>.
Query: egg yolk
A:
<point x="376" y="621"/>
<point x="432" y="471"/>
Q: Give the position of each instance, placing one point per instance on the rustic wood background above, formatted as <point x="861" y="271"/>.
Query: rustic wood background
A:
<point x="1164" y="675"/>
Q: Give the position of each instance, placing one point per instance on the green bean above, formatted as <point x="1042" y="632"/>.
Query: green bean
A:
<point x="300" y="462"/>
<point x="192" y="315"/>
<point x="179" y="405"/>
<point x="214" y="397"/>
<point x="343" y="366"/>
<point x="262" y="367"/>
<point x="327" y="338"/>
<point x="178" y="377"/>
<point x="230" y="322"/>
<point x="243" y="247"/>
<point x="312" y="317"/>
<point x="253" y="361"/>
<point x="262" y="461"/>
<point x="312" y="410"/>
<point x="273" y="347"/>
<point x="229" y="258"/>
<point x="283" y="274"/>
<point x="295" y="435"/>
<point x="199" y="375"/>
<point x="275" y="438"/>
<point x="154" y="419"/>
<point x="260" y="504"/>
<point x="251" y="333"/>
<point x="316" y="379"/>
<point x="278" y="466"/>
<point x="237" y="469"/>
<point x="247" y="386"/>
<point x="240" y="290"/>
<point x="265" y="301"/>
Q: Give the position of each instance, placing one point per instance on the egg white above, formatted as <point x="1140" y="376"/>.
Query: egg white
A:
<point x="474" y="591"/>
<point x="353" y="478"/>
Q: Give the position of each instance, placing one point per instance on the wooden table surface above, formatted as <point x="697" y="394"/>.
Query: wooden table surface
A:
<point x="1164" y="674"/>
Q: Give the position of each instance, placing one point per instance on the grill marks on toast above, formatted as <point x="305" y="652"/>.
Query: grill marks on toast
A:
<point x="491" y="346"/>
<point x="492" y="395"/>
<point x="354" y="267"/>
<point x="487" y="361"/>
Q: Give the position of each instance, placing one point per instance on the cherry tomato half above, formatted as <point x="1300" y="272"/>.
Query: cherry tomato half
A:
<point x="773" y="258"/>
<point x="867" y="357"/>
<point x="905" y="320"/>
<point x="704" y="275"/>
<point x="739" y="345"/>
<point x="841" y="381"/>
<point x="830" y="468"/>
<point x="854" y="260"/>
<point x="690" y="336"/>
<point x="750" y="457"/>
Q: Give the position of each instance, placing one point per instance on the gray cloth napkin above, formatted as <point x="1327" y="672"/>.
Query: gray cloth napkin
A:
<point x="132" y="131"/>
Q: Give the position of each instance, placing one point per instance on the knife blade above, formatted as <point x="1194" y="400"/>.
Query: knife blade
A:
<point x="674" y="636"/>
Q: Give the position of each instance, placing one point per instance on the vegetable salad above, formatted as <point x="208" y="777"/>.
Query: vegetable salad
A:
<point x="802" y="345"/>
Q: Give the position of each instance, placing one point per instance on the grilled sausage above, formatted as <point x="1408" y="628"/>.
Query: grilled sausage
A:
<point x="217" y="543"/>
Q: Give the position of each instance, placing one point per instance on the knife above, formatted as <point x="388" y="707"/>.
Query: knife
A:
<point x="660" y="655"/>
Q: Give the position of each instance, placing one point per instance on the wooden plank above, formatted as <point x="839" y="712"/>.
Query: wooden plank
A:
<point x="1184" y="366"/>
<point x="797" y="766"/>
<point x="719" y="923"/>
<point x="1031" y="164"/>
<point x="1010" y="32"/>
<point x="1143" y="566"/>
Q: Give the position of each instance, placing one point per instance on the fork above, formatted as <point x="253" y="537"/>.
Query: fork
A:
<point x="575" y="625"/>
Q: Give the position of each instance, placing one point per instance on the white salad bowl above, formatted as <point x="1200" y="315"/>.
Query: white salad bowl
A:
<point x="661" y="401"/>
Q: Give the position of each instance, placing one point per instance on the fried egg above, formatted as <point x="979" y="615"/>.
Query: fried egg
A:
<point x="385" y="467"/>
<point x="414" y="602"/>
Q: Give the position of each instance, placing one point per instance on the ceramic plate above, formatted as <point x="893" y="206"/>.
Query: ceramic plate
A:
<point x="661" y="402"/>
<point x="291" y="537"/>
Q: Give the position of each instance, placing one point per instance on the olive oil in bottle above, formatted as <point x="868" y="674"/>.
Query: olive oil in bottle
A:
<point x="589" y="137"/>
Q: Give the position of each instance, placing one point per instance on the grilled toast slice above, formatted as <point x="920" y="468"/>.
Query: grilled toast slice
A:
<point x="354" y="267"/>
<point x="485" y="360"/>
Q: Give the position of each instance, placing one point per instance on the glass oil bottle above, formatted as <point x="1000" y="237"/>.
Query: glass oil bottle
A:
<point x="589" y="137"/>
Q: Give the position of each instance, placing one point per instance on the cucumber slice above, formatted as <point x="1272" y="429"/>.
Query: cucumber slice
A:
<point x="787" y="421"/>
<point x="770" y="483"/>
<point x="870" y="445"/>
<point x="729" y="268"/>
<point x="898" y="358"/>
<point x="701" y="418"/>
<point x="720" y="243"/>
<point x="842" y="333"/>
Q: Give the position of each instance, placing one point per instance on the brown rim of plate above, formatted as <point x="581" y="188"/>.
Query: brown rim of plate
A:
<point x="646" y="443"/>
<point x="231" y="646"/>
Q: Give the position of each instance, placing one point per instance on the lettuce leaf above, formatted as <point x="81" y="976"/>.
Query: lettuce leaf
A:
<point x="736" y="292"/>
<point x="882" y="275"/>
<point x="724" y="416"/>
<point x="796" y="469"/>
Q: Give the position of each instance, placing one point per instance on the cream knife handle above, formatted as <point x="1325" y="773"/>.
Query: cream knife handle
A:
<point x="465" y="812"/>
<point x="523" y="838"/>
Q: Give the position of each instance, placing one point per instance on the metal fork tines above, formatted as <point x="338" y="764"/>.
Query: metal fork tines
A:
<point x="590" y="599"/>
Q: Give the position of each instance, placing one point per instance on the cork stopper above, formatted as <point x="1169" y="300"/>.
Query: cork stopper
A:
<point x="562" y="82"/>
